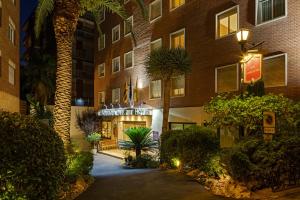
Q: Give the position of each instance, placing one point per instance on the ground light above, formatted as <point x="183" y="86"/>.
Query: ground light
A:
<point x="176" y="162"/>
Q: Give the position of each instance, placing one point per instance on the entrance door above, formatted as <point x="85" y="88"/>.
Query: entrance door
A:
<point x="127" y="125"/>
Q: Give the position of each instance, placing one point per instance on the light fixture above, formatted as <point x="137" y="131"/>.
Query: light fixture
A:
<point x="242" y="35"/>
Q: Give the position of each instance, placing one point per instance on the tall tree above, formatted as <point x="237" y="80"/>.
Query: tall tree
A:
<point x="163" y="64"/>
<point x="65" y="17"/>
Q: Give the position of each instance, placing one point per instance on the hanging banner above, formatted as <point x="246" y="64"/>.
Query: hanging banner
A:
<point x="252" y="67"/>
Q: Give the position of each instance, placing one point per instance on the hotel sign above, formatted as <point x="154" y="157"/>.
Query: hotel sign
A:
<point x="252" y="67"/>
<point x="125" y="112"/>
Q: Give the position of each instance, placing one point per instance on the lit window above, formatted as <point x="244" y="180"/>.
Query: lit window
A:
<point x="128" y="24"/>
<point x="226" y="78"/>
<point x="11" y="72"/>
<point x="101" y="98"/>
<point x="178" y="86"/>
<point x="274" y="70"/>
<point x="155" y="89"/>
<point x="116" y="95"/>
<point x="155" y="10"/>
<point x="11" y="31"/>
<point x="176" y="3"/>
<point x="116" y="64"/>
<point x="227" y="22"/>
<point x="177" y="39"/>
<point x="156" y="44"/>
<point x="128" y="59"/>
<point x="0" y="13"/>
<point x="101" y="42"/>
<point x="116" y="34"/>
<point x="101" y="70"/>
<point x="268" y="10"/>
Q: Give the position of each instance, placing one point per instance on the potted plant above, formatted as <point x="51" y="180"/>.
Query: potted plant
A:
<point x="94" y="139"/>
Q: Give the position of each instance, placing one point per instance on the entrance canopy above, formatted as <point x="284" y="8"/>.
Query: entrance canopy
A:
<point x="125" y="112"/>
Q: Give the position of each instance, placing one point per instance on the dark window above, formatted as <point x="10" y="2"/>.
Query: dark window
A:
<point x="180" y="125"/>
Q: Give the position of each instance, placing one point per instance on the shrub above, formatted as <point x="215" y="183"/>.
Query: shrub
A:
<point x="78" y="164"/>
<point x="267" y="163"/>
<point x="32" y="161"/>
<point x="194" y="147"/>
<point x="143" y="161"/>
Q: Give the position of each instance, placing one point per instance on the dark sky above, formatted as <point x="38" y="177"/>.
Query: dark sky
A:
<point x="26" y="9"/>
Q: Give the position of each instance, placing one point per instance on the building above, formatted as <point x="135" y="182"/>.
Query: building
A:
<point x="9" y="55"/>
<point x="83" y="55"/>
<point x="206" y="29"/>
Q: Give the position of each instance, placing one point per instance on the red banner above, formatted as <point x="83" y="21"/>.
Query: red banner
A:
<point x="252" y="67"/>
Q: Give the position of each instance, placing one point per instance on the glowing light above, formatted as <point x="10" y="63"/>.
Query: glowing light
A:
<point x="242" y="35"/>
<point x="176" y="162"/>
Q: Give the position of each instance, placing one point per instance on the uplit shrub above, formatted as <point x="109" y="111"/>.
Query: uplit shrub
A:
<point x="194" y="147"/>
<point x="32" y="161"/>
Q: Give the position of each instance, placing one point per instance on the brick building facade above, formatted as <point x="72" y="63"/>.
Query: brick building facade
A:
<point x="9" y="55"/>
<point x="206" y="29"/>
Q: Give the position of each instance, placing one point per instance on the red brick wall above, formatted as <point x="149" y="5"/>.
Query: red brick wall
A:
<point x="8" y="50"/>
<point x="207" y="53"/>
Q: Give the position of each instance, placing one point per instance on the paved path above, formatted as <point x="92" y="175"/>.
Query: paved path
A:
<point x="114" y="183"/>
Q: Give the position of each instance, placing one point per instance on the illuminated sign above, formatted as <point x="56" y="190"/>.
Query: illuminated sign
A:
<point x="125" y="112"/>
<point x="269" y="122"/>
<point x="252" y="67"/>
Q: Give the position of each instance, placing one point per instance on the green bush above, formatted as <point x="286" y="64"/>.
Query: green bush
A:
<point x="32" y="161"/>
<point x="143" y="161"/>
<point x="194" y="147"/>
<point x="263" y="162"/>
<point x="79" y="164"/>
<point x="93" y="138"/>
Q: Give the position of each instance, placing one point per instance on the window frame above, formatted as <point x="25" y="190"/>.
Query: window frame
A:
<point x="99" y="76"/>
<point x="132" y="59"/>
<point x="285" y="71"/>
<point x="103" y="20"/>
<point x="119" y="91"/>
<point x="237" y="7"/>
<point x="237" y="74"/>
<point x="112" y="34"/>
<point x="131" y="18"/>
<point x="172" y="9"/>
<point x="272" y="20"/>
<point x="112" y="64"/>
<point x="12" y="65"/>
<point x="154" y="41"/>
<point x="150" y="96"/>
<point x="161" y="8"/>
<point x="177" y="96"/>
<point x="173" y="33"/>
<point x="11" y="25"/>
<point x="99" y="39"/>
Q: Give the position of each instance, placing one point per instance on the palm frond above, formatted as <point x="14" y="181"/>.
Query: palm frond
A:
<point x="44" y="8"/>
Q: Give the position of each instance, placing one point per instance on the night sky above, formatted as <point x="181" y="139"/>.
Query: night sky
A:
<point x="27" y="7"/>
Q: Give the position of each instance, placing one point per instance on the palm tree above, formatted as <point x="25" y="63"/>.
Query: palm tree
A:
<point x="163" y="64"/>
<point x="65" y="17"/>
<point x="140" y="139"/>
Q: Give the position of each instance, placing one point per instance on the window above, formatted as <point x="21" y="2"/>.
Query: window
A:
<point x="0" y="13"/>
<point x="180" y="125"/>
<point x="268" y="10"/>
<point x="178" y="86"/>
<point x="155" y="10"/>
<point x="101" y="42"/>
<point x="227" y="22"/>
<point x="116" y="34"/>
<point x="101" y="70"/>
<point x="11" y="31"/>
<point x="116" y="95"/>
<point x="155" y="89"/>
<point x="177" y="39"/>
<point x="101" y="98"/>
<point x="128" y="24"/>
<point x="0" y="63"/>
<point x="156" y="44"/>
<point x="128" y="59"/>
<point x="13" y="2"/>
<point x="176" y="3"/>
<point x="275" y="70"/>
<point x="116" y="64"/>
<point x="11" y="72"/>
<point x="226" y="78"/>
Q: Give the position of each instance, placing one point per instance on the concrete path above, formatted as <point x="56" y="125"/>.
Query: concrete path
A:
<point x="114" y="183"/>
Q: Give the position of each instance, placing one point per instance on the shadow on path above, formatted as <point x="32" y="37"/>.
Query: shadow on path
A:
<point x="114" y="183"/>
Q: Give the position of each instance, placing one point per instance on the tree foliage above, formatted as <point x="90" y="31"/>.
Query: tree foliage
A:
<point x="248" y="112"/>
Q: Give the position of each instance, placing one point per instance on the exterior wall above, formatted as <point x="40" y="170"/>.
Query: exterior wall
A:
<point x="9" y="94"/>
<point x="198" y="19"/>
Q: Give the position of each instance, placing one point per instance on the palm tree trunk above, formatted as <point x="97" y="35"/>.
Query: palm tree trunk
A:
<point x="166" y="104"/>
<point x="65" y="21"/>
<point x="138" y="152"/>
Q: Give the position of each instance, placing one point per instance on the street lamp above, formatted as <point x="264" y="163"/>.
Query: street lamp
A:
<point x="242" y="37"/>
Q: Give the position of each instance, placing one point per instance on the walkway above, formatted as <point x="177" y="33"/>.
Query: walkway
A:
<point x="114" y="183"/>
